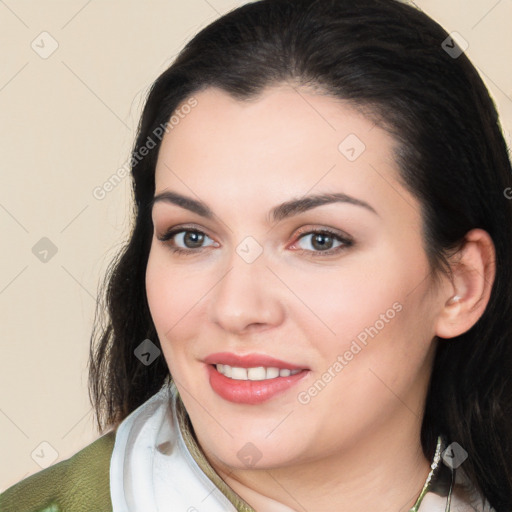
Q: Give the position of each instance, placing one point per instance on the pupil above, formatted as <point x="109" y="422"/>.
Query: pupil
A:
<point x="193" y="239"/>
<point x="321" y="241"/>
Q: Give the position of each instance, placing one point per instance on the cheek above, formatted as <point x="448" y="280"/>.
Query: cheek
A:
<point x="172" y="291"/>
<point x="369" y="317"/>
<point x="380" y="353"/>
<point x="177" y="297"/>
<point x="375" y="368"/>
<point x="341" y="304"/>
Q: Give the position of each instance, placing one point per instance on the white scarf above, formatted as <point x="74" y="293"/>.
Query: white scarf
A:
<point x="151" y="469"/>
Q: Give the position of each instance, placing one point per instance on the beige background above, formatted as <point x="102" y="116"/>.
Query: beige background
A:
<point x="67" y="124"/>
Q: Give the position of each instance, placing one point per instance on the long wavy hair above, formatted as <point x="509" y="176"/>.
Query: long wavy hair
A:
<point x="400" y="68"/>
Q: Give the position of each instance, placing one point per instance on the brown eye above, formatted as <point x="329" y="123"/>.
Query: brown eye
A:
<point x="321" y="242"/>
<point x="193" y="239"/>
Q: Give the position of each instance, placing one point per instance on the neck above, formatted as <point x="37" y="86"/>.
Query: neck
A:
<point x="385" y="473"/>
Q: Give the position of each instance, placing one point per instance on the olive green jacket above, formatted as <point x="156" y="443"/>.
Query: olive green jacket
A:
<point x="78" y="484"/>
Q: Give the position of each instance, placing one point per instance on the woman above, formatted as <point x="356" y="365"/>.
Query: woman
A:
<point x="320" y="260"/>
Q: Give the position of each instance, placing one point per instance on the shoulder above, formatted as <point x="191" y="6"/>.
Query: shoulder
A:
<point x="80" y="483"/>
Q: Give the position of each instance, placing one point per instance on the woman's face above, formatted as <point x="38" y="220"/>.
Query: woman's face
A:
<point x="293" y="240"/>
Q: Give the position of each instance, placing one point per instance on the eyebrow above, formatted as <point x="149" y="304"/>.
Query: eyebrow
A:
<point x="296" y="206"/>
<point x="278" y="213"/>
<point x="184" y="202"/>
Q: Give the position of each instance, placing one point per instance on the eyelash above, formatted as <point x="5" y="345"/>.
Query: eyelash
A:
<point x="346" y="241"/>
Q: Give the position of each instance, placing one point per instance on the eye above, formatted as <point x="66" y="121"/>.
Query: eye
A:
<point x="323" y="242"/>
<point x="186" y="240"/>
<point x="191" y="239"/>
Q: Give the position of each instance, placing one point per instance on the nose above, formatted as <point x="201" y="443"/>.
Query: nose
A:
<point x="246" y="299"/>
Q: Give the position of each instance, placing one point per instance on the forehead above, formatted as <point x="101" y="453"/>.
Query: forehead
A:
<point x="285" y="142"/>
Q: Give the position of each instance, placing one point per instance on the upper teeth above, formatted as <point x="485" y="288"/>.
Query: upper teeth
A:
<point x="258" y="373"/>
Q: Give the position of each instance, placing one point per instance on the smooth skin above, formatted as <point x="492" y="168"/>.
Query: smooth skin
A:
<point x="355" y="446"/>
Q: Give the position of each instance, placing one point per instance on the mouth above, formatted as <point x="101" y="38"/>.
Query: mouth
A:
<point x="251" y="379"/>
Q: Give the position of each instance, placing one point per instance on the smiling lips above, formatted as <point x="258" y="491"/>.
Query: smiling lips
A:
<point x="252" y="378"/>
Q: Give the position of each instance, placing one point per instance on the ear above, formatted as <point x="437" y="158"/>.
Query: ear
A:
<point x="474" y="270"/>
